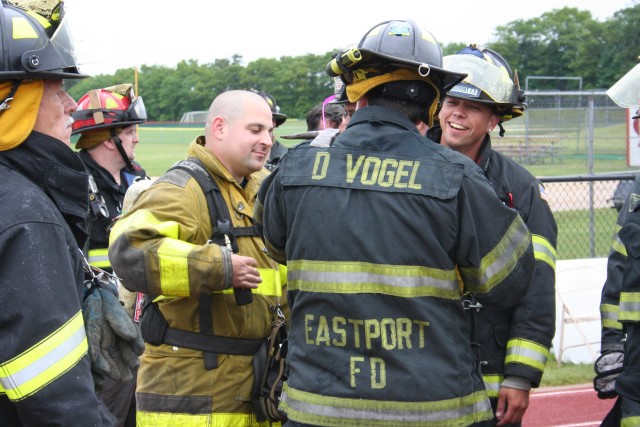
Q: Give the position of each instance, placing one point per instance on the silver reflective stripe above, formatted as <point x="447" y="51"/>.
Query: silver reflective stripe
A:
<point x="629" y="306"/>
<point x="99" y="257"/>
<point x="492" y="384"/>
<point x="523" y="352"/>
<point x="544" y="251"/>
<point x="500" y="261"/>
<point x="347" y="412"/>
<point x="372" y="278"/>
<point x="37" y="367"/>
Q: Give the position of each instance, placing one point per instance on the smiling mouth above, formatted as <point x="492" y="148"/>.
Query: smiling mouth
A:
<point x="457" y="126"/>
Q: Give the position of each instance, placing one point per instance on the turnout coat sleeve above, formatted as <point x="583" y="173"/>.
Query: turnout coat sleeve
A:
<point x="612" y="331"/>
<point x="532" y="322"/>
<point x="160" y="247"/>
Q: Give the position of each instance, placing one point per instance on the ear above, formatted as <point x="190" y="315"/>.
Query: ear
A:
<point x="218" y="127"/>
<point x="110" y="144"/>
<point x="493" y="122"/>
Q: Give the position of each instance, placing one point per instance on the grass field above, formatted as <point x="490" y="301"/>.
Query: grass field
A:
<point x="161" y="146"/>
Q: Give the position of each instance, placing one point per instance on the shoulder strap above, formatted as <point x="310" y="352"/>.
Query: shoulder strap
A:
<point x="222" y="232"/>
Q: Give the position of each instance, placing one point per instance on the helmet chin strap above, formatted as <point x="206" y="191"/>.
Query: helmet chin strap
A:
<point x="116" y="139"/>
<point x="4" y="105"/>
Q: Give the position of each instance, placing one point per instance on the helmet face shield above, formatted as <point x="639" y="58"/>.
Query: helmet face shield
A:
<point x="136" y="112"/>
<point x="626" y="91"/>
<point x="39" y="44"/>
<point x="484" y="81"/>
<point x="113" y="107"/>
<point x="57" y="53"/>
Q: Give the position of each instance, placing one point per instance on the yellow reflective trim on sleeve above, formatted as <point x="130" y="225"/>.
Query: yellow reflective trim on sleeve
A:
<point x="173" y="253"/>
<point x="270" y="286"/>
<point x="616" y="243"/>
<point x="46" y="361"/>
<point x="219" y="419"/>
<point x="630" y="422"/>
<point x="500" y="261"/>
<point x="543" y="250"/>
<point x="609" y="316"/>
<point x="22" y="29"/>
<point x="527" y="353"/>
<point x="174" y="267"/>
<point x="352" y="277"/>
<point x="99" y="257"/>
<point x="492" y="384"/>
<point x="629" y="307"/>
<point x="317" y="409"/>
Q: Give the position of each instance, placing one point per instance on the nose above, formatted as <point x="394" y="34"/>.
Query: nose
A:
<point x="69" y="104"/>
<point x="267" y="137"/>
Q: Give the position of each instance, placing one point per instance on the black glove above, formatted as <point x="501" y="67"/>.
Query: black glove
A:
<point x="608" y="366"/>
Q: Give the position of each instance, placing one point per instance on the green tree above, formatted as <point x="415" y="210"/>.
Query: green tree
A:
<point x="621" y="46"/>
<point x="563" y="42"/>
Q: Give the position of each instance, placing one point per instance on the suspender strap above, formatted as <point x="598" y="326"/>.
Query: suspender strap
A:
<point x="206" y="327"/>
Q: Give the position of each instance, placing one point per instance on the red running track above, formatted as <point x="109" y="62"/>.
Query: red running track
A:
<point x="571" y="406"/>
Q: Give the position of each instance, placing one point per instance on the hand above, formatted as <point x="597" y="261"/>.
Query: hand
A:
<point x="608" y="366"/>
<point x="245" y="272"/>
<point x="512" y="404"/>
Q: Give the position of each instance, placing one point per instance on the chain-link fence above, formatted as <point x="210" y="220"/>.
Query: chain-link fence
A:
<point x="577" y="144"/>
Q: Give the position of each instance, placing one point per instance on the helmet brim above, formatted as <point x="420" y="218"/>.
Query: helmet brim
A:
<point x="279" y="118"/>
<point x="107" y="126"/>
<point x="447" y="79"/>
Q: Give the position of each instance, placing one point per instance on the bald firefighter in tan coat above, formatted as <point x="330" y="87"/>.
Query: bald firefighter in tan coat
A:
<point x="161" y="246"/>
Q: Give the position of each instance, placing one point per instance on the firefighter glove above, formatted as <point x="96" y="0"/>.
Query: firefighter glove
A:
<point x="608" y="366"/>
<point x="94" y="327"/>
<point x="114" y="339"/>
<point x="128" y="344"/>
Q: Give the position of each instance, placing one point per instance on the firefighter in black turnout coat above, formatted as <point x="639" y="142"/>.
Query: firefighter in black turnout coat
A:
<point x="375" y="231"/>
<point x="514" y="343"/>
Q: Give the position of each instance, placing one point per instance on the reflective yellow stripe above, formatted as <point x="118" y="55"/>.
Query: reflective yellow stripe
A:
<point x="543" y="250"/>
<point x="630" y="422"/>
<point x="609" y="316"/>
<point x="41" y="364"/>
<point x="99" y="257"/>
<point x="158" y="419"/>
<point x="629" y="307"/>
<point x="311" y="408"/>
<point x="172" y="253"/>
<point x="22" y="29"/>
<point x="361" y="277"/>
<point x="174" y="267"/>
<point x="500" y="262"/>
<point x="492" y="384"/>
<point x="616" y="244"/>
<point x="270" y="286"/>
<point x="527" y="353"/>
<point x="41" y="19"/>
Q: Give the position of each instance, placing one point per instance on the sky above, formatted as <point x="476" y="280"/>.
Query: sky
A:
<point x="160" y="32"/>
